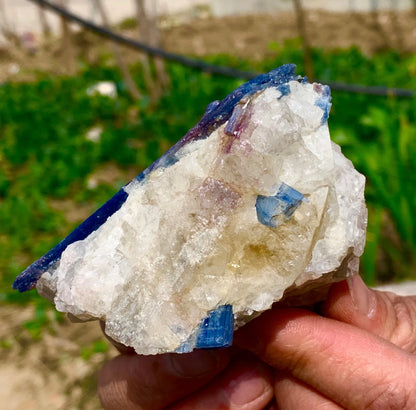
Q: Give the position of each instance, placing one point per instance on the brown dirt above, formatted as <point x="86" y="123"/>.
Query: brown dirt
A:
<point x="250" y="36"/>
<point x="49" y="372"/>
<point x="241" y="36"/>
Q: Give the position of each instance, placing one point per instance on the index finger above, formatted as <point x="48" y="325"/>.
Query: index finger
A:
<point x="349" y="365"/>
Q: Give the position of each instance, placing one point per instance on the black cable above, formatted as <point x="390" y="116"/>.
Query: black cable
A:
<point x="207" y="67"/>
<point x="157" y="52"/>
<point x="372" y="90"/>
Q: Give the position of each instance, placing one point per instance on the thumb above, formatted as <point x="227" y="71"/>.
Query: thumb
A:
<point x="385" y="314"/>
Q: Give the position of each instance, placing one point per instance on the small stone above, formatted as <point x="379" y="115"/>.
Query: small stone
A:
<point x="254" y="205"/>
<point x="107" y="88"/>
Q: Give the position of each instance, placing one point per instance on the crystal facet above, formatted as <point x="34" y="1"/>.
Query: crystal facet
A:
<point x="254" y="205"/>
<point x="217" y="329"/>
<point x="283" y="204"/>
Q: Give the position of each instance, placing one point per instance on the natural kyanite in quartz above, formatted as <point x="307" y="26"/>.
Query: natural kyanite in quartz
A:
<point x="254" y="205"/>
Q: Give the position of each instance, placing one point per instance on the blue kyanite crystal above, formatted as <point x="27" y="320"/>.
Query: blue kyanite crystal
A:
<point x="217" y="329"/>
<point x="324" y="102"/>
<point x="284" y="89"/>
<point x="216" y="114"/>
<point x="270" y="209"/>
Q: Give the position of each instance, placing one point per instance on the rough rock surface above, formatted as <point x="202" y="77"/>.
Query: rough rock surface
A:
<point x="253" y="202"/>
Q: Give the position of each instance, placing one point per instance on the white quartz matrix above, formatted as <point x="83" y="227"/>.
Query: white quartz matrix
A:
<point x="188" y="239"/>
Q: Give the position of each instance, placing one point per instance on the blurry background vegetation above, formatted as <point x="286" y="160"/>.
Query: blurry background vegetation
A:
<point x="64" y="151"/>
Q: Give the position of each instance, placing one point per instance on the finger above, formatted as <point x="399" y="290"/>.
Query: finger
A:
<point x="246" y="384"/>
<point x="292" y="394"/>
<point x="153" y="382"/>
<point x="385" y="314"/>
<point x="352" y="367"/>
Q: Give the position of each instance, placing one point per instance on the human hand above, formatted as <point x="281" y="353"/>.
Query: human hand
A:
<point x="361" y="355"/>
<point x="203" y="379"/>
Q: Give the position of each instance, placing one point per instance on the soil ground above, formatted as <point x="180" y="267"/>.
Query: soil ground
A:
<point x="50" y="372"/>
<point x="241" y="36"/>
<point x="250" y="36"/>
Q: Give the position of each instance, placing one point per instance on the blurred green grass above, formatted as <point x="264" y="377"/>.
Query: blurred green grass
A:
<point x="45" y="154"/>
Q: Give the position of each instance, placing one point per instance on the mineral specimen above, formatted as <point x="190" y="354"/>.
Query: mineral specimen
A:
<point x="253" y="205"/>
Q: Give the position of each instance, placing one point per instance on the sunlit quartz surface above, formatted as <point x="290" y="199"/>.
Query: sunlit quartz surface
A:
<point x="220" y="228"/>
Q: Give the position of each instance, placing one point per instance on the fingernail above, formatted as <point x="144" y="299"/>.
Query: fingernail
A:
<point x="246" y="388"/>
<point x="364" y="299"/>
<point x="195" y="364"/>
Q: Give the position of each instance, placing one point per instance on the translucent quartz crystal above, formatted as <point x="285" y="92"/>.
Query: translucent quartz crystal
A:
<point x="253" y="205"/>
